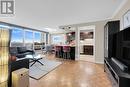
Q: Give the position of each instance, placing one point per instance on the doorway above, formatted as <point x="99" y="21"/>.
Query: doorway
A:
<point x="87" y="43"/>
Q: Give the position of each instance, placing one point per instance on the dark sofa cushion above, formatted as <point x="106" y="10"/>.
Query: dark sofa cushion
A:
<point x="22" y="49"/>
<point x="13" y="51"/>
<point x="20" y="55"/>
<point x="20" y="52"/>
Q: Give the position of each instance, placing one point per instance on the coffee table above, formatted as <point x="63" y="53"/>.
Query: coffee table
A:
<point x="35" y="58"/>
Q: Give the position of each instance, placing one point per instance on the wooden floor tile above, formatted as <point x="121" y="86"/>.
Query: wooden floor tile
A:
<point x="74" y="74"/>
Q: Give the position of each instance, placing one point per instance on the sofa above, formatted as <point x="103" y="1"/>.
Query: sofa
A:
<point x="20" y="52"/>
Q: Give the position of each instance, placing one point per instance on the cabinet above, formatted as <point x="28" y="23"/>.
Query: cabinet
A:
<point x="88" y="50"/>
<point x="20" y="78"/>
<point x="21" y="63"/>
<point x="117" y="77"/>
<point x="110" y="50"/>
<point x="111" y="28"/>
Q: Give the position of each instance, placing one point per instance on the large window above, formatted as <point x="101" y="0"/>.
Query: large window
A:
<point x="17" y="37"/>
<point x="37" y="41"/>
<point x="43" y="37"/>
<point x="26" y="37"/>
<point x="37" y="37"/>
<point x="29" y="39"/>
<point x="58" y="39"/>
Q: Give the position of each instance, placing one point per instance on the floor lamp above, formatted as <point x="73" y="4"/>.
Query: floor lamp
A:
<point x="4" y="56"/>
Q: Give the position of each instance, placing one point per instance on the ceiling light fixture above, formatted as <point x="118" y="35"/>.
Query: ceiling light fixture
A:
<point x="66" y="28"/>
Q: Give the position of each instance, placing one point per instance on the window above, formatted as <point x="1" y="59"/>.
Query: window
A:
<point x="58" y="39"/>
<point x="37" y="41"/>
<point x="29" y="39"/>
<point x="3" y="26"/>
<point x="43" y="38"/>
<point x="17" y="37"/>
<point x="37" y="37"/>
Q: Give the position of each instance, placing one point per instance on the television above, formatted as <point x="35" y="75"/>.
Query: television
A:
<point x="121" y="47"/>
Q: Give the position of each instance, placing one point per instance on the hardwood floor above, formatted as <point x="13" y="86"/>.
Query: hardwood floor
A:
<point x="74" y="74"/>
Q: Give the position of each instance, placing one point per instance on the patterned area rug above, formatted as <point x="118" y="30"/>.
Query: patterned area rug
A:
<point x="37" y="71"/>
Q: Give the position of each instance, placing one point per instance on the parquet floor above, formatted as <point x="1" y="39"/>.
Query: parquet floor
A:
<point x="74" y="74"/>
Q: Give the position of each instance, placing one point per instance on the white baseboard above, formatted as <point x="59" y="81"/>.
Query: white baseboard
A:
<point x="99" y="62"/>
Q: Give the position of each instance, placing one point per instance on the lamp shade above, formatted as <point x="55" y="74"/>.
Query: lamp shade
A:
<point x="3" y="73"/>
<point x="4" y="84"/>
<point x="4" y="37"/>
<point x="4" y="56"/>
<point x="4" y="46"/>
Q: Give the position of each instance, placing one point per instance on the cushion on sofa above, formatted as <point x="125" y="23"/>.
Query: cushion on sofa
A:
<point x="13" y="51"/>
<point x="21" y="49"/>
<point x="20" y="52"/>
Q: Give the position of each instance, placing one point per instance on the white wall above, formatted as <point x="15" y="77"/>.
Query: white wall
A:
<point x="99" y="39"/>
<point x="87" y="42"/>
<point x="121" y="12"/>
<point x="99" y="31"/>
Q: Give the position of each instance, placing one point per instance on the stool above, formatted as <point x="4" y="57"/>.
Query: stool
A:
<point x="66" y="52"/>
<point x="58" y="50"/>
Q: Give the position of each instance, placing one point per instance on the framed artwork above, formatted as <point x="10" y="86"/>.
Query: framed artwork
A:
<point x="126" y="19"/>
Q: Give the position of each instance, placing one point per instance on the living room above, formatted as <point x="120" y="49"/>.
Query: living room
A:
<point x="65" y="43"/>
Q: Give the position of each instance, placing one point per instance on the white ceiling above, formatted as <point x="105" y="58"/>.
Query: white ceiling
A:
<point x="41" y="14"/>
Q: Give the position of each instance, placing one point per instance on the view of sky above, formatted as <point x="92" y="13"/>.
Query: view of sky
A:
<point x="18" y="35"/>
<point x="37" y="37"/>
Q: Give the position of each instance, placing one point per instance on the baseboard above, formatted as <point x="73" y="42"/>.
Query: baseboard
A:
<point x="99" y="62"/>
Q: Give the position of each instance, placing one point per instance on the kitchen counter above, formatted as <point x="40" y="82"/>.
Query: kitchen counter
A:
<point x="72" y="52"/>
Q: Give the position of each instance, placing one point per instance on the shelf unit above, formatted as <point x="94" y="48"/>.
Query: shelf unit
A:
<point x="117" y="45"/>
<point x="118" y="77"/>
<point x="110" y="29"/>
<point x="126" y="44"/>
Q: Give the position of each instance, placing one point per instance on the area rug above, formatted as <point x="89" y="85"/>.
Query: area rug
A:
<point x="37" y="71"/>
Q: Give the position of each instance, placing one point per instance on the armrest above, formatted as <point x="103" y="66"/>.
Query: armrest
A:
<point x="20" y="55"/>
<point x="31" y="51"/>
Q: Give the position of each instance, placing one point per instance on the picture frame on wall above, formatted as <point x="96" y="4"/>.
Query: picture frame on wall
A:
<point x="126" y="19"/>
